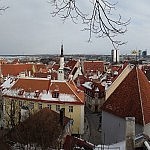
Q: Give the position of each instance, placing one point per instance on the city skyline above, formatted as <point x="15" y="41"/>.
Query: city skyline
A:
<point x="27" y="27"/>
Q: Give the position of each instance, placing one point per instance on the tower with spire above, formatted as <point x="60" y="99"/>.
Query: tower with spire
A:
<point x="61" y="68"/>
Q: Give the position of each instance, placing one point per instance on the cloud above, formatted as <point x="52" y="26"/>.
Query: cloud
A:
<point x="27" y="27"/>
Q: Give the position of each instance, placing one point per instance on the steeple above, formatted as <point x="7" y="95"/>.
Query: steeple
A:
<point x="61" y="55"/>
<point x="61" y="68"/>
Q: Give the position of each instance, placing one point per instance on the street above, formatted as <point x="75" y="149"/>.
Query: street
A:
<point x="94" y="134"/>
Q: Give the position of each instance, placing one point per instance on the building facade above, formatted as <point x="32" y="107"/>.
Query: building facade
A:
<point x="34" y="94"/>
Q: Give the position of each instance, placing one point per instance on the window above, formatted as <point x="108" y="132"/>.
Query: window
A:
<point x="55" y="94"/>
<point x="40" y="106"/>
<point x="70" y="108"/>
<point x="20" y="103"/>
<point x="49" y="106"/>
<point x="37" y="93"/>
<point x="57" y="107"/>
<point x="31" y="105"/>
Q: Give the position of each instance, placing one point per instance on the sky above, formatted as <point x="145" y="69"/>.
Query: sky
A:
<point x="28" y="27"/>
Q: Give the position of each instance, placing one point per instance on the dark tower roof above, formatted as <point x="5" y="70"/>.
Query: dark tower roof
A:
<point x="61" y="55"/>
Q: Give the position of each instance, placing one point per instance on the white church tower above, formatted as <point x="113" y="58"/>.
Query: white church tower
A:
<point x="61" y="68"/>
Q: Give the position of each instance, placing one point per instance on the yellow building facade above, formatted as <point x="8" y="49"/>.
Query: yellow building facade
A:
<point x="15" y="102"/>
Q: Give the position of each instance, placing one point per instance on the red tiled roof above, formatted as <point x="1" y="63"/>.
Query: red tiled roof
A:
<point x="55" y="67"/>
<point x="15" y="69"/>
<point x="94" y="66"/>
<point x="71" y="64"/>
<point x="82" y="79"/>
<point x="131" y="98"/>
<point x="72" y="142"/>
<point x="40" y="66"/>
<point x="33" y="84"/>
<point x="41" y="74"/>
<point x="54" y="75"/>
<point x="67" y="88"/>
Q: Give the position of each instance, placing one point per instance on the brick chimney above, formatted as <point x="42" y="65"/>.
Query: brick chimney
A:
<point x="130" y="133"/>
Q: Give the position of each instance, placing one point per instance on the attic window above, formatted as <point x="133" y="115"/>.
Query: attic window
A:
<point x="21" y="92"/>
<point x="55" y="94"/>
<point x="37" y="93"/>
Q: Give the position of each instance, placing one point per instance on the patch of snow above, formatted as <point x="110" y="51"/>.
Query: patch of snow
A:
<point x="97" y="90"/>
<point x="8" y="83"/>
<point x="87" y="85"/>
<point x="116" y="146"/>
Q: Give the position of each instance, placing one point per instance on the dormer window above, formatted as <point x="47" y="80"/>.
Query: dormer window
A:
<point x="21" y="92"/>
<point x="37" y="93"/>
<point x="55" y="94"/>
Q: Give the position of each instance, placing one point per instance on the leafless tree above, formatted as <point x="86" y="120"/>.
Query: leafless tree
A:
<point x="3" y="8"/>
<point x="99" y="21"/>
<point x="37" y="131"/>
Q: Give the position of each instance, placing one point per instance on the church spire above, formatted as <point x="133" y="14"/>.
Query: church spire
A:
<point x="61" y="68"/>
<point x="61" y="55"/>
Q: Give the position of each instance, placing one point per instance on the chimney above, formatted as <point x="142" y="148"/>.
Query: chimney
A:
<point x="130" y="133"/>
<point x="62" y="115"/>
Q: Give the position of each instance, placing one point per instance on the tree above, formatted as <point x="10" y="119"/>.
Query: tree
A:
<point x="42" y="129"/>
<point x="99" y="21"/>
<point x="3" y="8"/>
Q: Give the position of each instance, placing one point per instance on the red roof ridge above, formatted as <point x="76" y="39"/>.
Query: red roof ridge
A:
<point x="139" y="87"/>
<point x="74" y="91"/>
<point x="131" y="97"/>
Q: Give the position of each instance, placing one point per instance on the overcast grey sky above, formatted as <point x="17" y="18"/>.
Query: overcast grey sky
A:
<point x="27" y="27"/>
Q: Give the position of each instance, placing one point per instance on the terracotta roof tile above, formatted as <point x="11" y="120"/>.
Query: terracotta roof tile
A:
<point x="94" y="66"/>
<point x="41" y="74"/>
<point x="15" y="69"/>
<point x="32" y="84"/>
<point x="131" y="98"/>
<point x="71" y="64"/>
<point x="72" y="142"/>
<point x="64" y="87"/>
<point x="55" y="67"/>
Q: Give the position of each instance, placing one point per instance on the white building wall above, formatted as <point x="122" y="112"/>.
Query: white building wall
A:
<point x="147" y="129"/>
<point x="113" y="128"/>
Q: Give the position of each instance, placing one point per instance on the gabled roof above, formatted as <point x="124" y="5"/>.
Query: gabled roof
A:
<point x="15" y="69"/>
<point x="94" y="66"/>
<point x="74" y="142"/>
<point x="31" y="85"/>
<point x="55" y="67"/>
<point x="71" y="64"/>
<point x="131" y="98"/>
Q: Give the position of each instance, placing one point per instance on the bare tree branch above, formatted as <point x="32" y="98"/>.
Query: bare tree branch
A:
<point x="3" y="8"/>
<point x="99" y="22"/>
